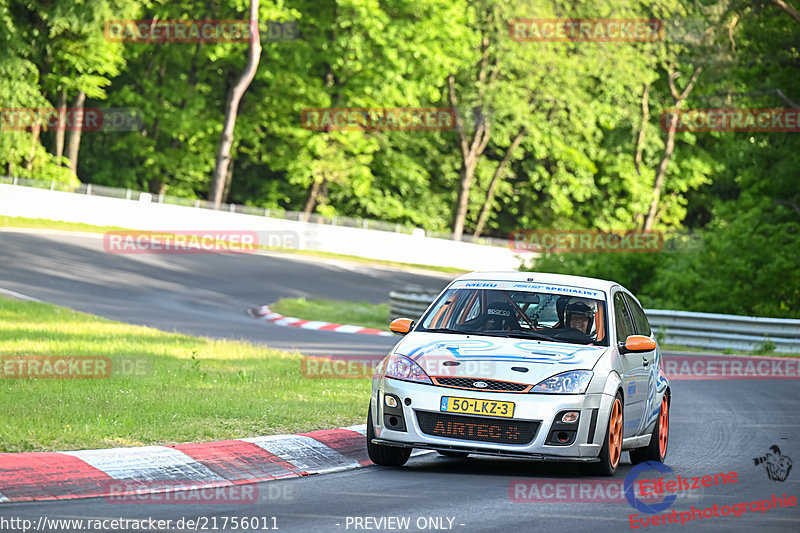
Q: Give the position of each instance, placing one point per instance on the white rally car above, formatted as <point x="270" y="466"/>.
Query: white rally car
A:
<point x="524" y="364"/>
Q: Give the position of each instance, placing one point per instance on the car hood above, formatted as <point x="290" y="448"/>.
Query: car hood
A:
<point x="474" y="356"/>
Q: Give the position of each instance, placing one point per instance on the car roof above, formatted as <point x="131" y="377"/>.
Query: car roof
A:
<point x="542" y="277"/>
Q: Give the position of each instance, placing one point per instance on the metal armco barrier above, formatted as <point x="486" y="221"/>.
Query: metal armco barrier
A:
<point x="686" y="328"/>
<point x="410" y="304"/>
<point x="708" y="330"/>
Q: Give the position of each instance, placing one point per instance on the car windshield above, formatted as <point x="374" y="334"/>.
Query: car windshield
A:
<point x="525" y="310"/>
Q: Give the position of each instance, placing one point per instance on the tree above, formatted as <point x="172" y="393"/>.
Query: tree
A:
<point x="680" y="98"/>
<point x="232" y="106"/>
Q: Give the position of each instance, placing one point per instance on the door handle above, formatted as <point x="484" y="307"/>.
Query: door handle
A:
<point x="645" y="362"/>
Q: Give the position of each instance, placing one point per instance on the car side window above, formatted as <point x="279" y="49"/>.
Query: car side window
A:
<point x="622" y="318"/>
<point x="639" y="318"/>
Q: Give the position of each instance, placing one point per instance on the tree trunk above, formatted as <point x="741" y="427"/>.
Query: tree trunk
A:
<point x="157" y="186"/>
<point x="37" y="130"/>
<point x="462" y="201"/>
<point x="487" y="205"/>
<point x="75" y="135"/>
<point x="637" y="160"/>
<point x="670" y="145"/>
<point x="228" y="180"/>
<point x="232" y="108"/>
<point x="471" y="150"/>
<point x="788" y="9"/>
<point x="62" y="109"/>
<point x="313" y="196"/>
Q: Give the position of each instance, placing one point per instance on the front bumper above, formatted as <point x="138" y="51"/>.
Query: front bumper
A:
<point x="417" y="398"/>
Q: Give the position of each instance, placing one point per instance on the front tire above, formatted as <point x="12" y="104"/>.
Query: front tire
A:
<point x="659" y="440"/>
<point x="611" y="451"/>
<point x="384" y="455"/>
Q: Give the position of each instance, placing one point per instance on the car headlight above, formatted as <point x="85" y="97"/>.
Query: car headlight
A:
<point x="572" y="382"/>
<point x="401" y="367"/>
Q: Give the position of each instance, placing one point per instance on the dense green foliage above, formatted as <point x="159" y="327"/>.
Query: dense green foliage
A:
<point x="749" y="212"/>
<point x="585" y="158"/>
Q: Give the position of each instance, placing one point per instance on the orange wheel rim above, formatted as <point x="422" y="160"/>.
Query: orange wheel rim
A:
<point x="615" y="433"/>
<point x="663" y="427"/>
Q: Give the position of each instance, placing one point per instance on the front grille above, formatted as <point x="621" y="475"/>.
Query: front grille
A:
<point x="492" y="384"/>
<point x="461" y="427"/>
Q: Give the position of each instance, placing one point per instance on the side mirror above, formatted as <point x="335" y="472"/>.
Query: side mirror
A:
<point x="401" y="326"/>
<point x="637" y="343"/>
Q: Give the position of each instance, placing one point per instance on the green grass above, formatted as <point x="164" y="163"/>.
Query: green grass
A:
<point x="358" y="314"/>
<point x="41" y="223"/>
<point x="22" y="222"/>
<point x="367" y="261"/>
<point x="193" y="389"/>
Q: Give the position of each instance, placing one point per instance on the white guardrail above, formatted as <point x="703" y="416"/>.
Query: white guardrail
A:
<point x="685" y="328"/>
<point x="141" y="213"/>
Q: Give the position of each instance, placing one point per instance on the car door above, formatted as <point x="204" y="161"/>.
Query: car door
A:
<point x="650" y="360"/>
<point x="634" y="378"/>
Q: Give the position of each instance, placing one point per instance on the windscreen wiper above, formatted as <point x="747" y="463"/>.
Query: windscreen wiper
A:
<point x="521" y="334"/>
<point x="448" y="330"/>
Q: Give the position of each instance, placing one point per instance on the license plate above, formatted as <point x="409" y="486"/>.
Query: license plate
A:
<point x="472" y="406"/>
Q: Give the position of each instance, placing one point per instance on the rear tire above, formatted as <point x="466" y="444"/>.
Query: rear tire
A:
<point x="452" y="454"/>
<point x="384" y="455"/>
<point x="659" y="439"/>
<point x="611" y="451"/>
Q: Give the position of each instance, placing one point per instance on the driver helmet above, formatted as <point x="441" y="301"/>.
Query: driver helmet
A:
<point x="580" y="309"/>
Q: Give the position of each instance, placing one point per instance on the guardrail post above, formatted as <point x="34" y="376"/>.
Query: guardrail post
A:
<point x="88" y="189"/>
<point x="127" y="194"/>
<point x="52" y="185"/>
<point x="15" y="180"/>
